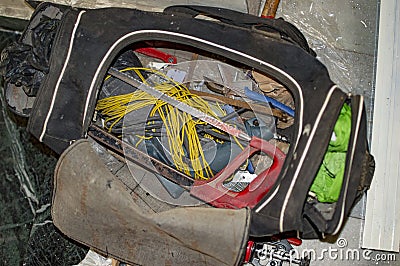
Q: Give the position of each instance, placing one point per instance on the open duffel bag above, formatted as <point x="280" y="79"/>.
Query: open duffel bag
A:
<point x="90" y="206"/>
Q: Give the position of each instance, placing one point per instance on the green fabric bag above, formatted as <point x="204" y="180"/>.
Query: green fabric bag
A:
<point x="328" y="181"/>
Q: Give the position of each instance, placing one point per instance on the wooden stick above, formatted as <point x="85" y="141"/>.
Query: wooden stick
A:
<point x="270" y="8"/>
<point x="258" y="108"/>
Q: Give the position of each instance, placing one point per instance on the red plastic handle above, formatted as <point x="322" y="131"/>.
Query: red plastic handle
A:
<point x="249" y="250"/>
<point x="214" y="192"/>
<point x="152" y="52"/>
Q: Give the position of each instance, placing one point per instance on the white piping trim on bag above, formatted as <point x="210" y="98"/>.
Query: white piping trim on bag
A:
<point x="46" y="121"/>
<point x="307" y="147"/>
<point x="350" y="163"/>
<point x="202" y="41"/>
<point x="265" y="203"/>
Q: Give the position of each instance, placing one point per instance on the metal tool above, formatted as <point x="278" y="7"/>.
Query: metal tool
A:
<point x="247" y="93"/>
<point x="213" y="190"/>
<point x="241" y="179"/>
<point x="262" y="109"/>
<point x="135" y="155"/>
<point x="243" y="176"/>
<point x="180" y="105"/>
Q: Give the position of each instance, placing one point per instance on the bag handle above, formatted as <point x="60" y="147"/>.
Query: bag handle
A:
<point x="286" y="30"/>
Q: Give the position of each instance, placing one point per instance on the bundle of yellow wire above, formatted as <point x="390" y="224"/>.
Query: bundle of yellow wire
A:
<point x="178" y="125"/>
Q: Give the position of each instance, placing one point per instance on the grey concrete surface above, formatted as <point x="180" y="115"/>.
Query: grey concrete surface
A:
<point x="344" y="249"/>
<point x="344" y="34"/>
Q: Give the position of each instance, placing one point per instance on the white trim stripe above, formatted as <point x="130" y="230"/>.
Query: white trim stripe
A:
<point x="46" y="121"/>
<point x="201" y="41"/>
<point x="303" y="157"/>
<point x="339" y="225"/>
<point x="269" y="199"/>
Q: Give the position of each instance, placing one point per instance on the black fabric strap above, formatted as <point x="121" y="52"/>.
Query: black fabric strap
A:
<point x="286" y="30"/>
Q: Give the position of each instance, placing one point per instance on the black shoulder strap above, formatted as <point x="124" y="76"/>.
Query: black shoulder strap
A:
<point x="286" y="30"/>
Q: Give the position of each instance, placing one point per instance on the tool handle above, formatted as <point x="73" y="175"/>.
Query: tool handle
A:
<point x="215" y="193"/>
<point x="152" y="52"/>
<point x="255" y="96"/>
<point x="270" y="8"/>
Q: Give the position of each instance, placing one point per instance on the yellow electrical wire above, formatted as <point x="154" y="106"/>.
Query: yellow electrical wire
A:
<point x="178" y="125"/>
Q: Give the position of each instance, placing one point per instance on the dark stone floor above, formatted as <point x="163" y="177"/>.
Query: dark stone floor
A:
<point x="27" y="234"/>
